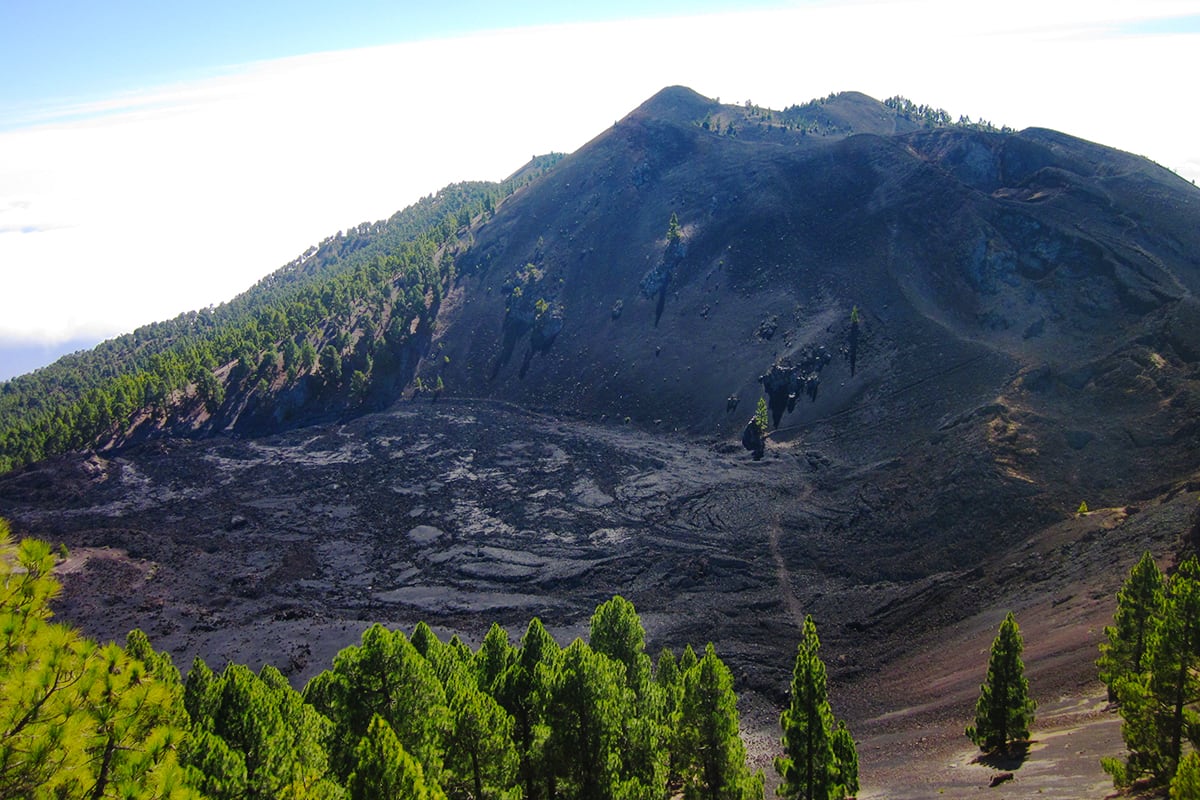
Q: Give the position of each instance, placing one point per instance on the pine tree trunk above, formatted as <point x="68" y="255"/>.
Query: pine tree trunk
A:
<point x="105" y="763"/>
<point x="809" y="754"/>
<point x="478" y="778"/>
<point x="1177" y="717"/>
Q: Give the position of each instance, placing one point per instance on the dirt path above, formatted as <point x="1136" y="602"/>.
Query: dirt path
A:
<point x="795" y="610"/>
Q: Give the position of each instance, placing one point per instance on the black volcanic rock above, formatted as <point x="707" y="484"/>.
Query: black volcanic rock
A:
<point x="974" y="256"/>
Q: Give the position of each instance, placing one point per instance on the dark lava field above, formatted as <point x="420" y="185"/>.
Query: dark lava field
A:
<point x="460" y="513"/>
<point x="283" y="549"/>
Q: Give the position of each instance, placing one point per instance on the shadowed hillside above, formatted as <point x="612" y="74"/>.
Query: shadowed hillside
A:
<point x="1029" y="292"/>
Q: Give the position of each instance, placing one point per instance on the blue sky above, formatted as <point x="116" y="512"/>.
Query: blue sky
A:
<point x="69" y="51"/>
<point x="157" y="157"/>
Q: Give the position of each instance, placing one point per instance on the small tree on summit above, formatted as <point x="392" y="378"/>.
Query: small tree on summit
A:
<point x="1004" y="711"/>
<point x="674" y="233"/>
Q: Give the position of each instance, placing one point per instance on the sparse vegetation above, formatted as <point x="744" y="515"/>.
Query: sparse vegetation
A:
<point x="931" y="117"/>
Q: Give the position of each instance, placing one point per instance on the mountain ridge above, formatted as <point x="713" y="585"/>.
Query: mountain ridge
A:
<point x="996" y="255"/>
<point x="954" y="149"/>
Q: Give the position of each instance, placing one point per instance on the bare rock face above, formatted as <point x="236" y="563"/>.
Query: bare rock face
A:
<point x="970" y="260"/>
<point x="754" y="439"/>
<point x="785" y="381"/>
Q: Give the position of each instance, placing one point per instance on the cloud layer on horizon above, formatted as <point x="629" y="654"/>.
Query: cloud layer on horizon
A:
<point x="133" y="208"/>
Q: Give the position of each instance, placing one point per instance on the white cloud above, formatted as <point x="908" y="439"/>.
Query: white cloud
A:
<point x="142" y="206"/>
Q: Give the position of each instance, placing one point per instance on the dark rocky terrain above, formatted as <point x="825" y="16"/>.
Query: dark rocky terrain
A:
<point x="282" y="549"/>
<point x="1028" y="338"/>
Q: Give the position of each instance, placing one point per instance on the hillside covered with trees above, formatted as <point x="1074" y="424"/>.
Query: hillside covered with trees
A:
<point x="309" y="338"/>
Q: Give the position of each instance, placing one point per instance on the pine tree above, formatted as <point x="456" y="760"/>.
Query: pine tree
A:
<point x="130" y="725"/>
<point x="1157" y="711"/>
<point x="845" y="759"/>
<point x="1186" y="784"/>
<point x="493" y="659"/>
<point x="808" y="765"/>
<point x="674" y="232"/>
<point x="331" y="365"/>
<point x="384" y="675"/>
<point x="384" y="769"/>
<point x="36" y="659"/>
<point x="687" y="659"/>
<point x="669" y="680"/>
<point x="587" y="706"/>
<point x="360" y="384"/>
<point x="1174" y="654"/>
<point x="617" y="632"/>
<point x="760" y="416"/>
<point x="77" y="720"/>
<point x="666" y="671"/>
<point x="271" y="743"/>
<point x="215" y="768"/>
<point x="459" y="650"/>
<point x="424" y="640"/>
<point x="1004" y="711"/>
<point x="481" y="759"/>
<point x="1139" y="603"/>
<point x="526" y="696"/>
<point x="709" y="727"/>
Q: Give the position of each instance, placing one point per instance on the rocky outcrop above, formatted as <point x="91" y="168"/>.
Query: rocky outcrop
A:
<point x="528" y="311"/>
<point x="754" y="438"/>
<point x="655" y="282"/>
<point x="787" y="380"/>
